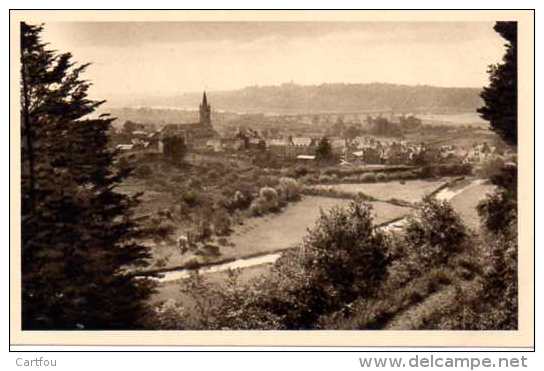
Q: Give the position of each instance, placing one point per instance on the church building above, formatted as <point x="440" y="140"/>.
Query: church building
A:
<point x="195" y="134"/>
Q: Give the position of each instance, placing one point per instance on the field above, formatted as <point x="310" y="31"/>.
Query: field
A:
<point x="468" y="118"/>
<point x="278" y="231"/>
<point x="465" y="203"/>
<point x="411" y="191"/>
<point x="290" y="226"/>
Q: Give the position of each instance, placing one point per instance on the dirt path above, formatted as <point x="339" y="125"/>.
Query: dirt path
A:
<point x="414" y="317"/>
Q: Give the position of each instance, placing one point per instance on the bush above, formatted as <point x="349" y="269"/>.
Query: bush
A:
<point x="241" y="200"/>
<point x="301" y="171"/>
<point x="289" y="189"/>
<point x="221" y="222"/>
<point x="381" y="177"/>
<point x="169" y="315"/>
<point x="270" y="195"/>
<point x="201" y="230"/>
<point x="191" y="198"/>
<point x="267" y="201"/>
<point x="436" y="233"/>
<point x="498" y="211"/>
<point x="231" y="305"/>
<point x="490" y="167"/>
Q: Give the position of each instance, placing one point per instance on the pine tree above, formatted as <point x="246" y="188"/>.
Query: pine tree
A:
<point x="79" y="239"/>
<point x="500" y="97"/>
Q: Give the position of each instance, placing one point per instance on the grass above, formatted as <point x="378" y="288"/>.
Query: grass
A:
<point x="410" y="191"/>
<point x="465" y="203"/>
<point x="288" y="228"/>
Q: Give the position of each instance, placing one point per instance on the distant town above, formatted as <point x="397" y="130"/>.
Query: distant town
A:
<point x="361" y="139"/>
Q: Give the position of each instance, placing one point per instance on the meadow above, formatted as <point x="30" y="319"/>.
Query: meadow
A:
<point x="410" y="191"/>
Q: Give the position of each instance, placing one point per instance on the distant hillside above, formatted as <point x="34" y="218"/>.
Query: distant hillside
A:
<point x="293" y="98"/>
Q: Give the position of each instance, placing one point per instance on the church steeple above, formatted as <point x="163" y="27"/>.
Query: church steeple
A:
<point x="205" y="111"/>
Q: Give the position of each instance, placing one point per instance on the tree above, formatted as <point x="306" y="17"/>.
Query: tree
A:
<point x="323" y="151"/>
<point x="78" y="234"/>
<point x="436" y="234"/>
<point x="352" y="131"/>
<point x="500" y="97"/>
<point x="130" y="126"/>
<point x="175" y="148"/>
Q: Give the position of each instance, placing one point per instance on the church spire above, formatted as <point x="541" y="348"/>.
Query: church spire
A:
<point x="205" y="111"/>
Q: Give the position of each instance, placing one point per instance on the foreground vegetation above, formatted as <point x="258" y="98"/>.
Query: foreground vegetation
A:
<point x="349" y="275"/>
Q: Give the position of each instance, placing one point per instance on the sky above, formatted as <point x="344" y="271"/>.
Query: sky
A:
<point x="168" y="58"/>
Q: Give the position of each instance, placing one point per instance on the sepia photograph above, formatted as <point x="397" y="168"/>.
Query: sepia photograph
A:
<point x="207" y="173"/>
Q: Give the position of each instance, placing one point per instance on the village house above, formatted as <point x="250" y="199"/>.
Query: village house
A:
<point x="291" y="147"/>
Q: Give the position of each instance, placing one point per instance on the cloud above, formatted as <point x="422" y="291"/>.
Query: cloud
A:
<point x="141" y="33"/>
<point x="170" y="58"/>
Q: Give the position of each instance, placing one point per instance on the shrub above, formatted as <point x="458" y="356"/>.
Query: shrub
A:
<point x="202" y="229"/>
<point x="269" y="195"/>
<point x="436" y="233"/>
<point x="169" y="315"/>
<point x="191" y="198"/>
<point x="301" y="171"/>
<point x="381" y="177"/>
<point x="231" y="305"/>
<point x="498" y="211"/>
<point x="221" y="222"/>
<point x="241" y="200"/>
<point x="490" y="167"/>
<point x="267" y="201"/>
<point x="289" y="189"/>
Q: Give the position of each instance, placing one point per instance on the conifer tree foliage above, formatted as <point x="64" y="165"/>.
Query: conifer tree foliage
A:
<point x="500" y="97"/>
<point x="78" y="234"/>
